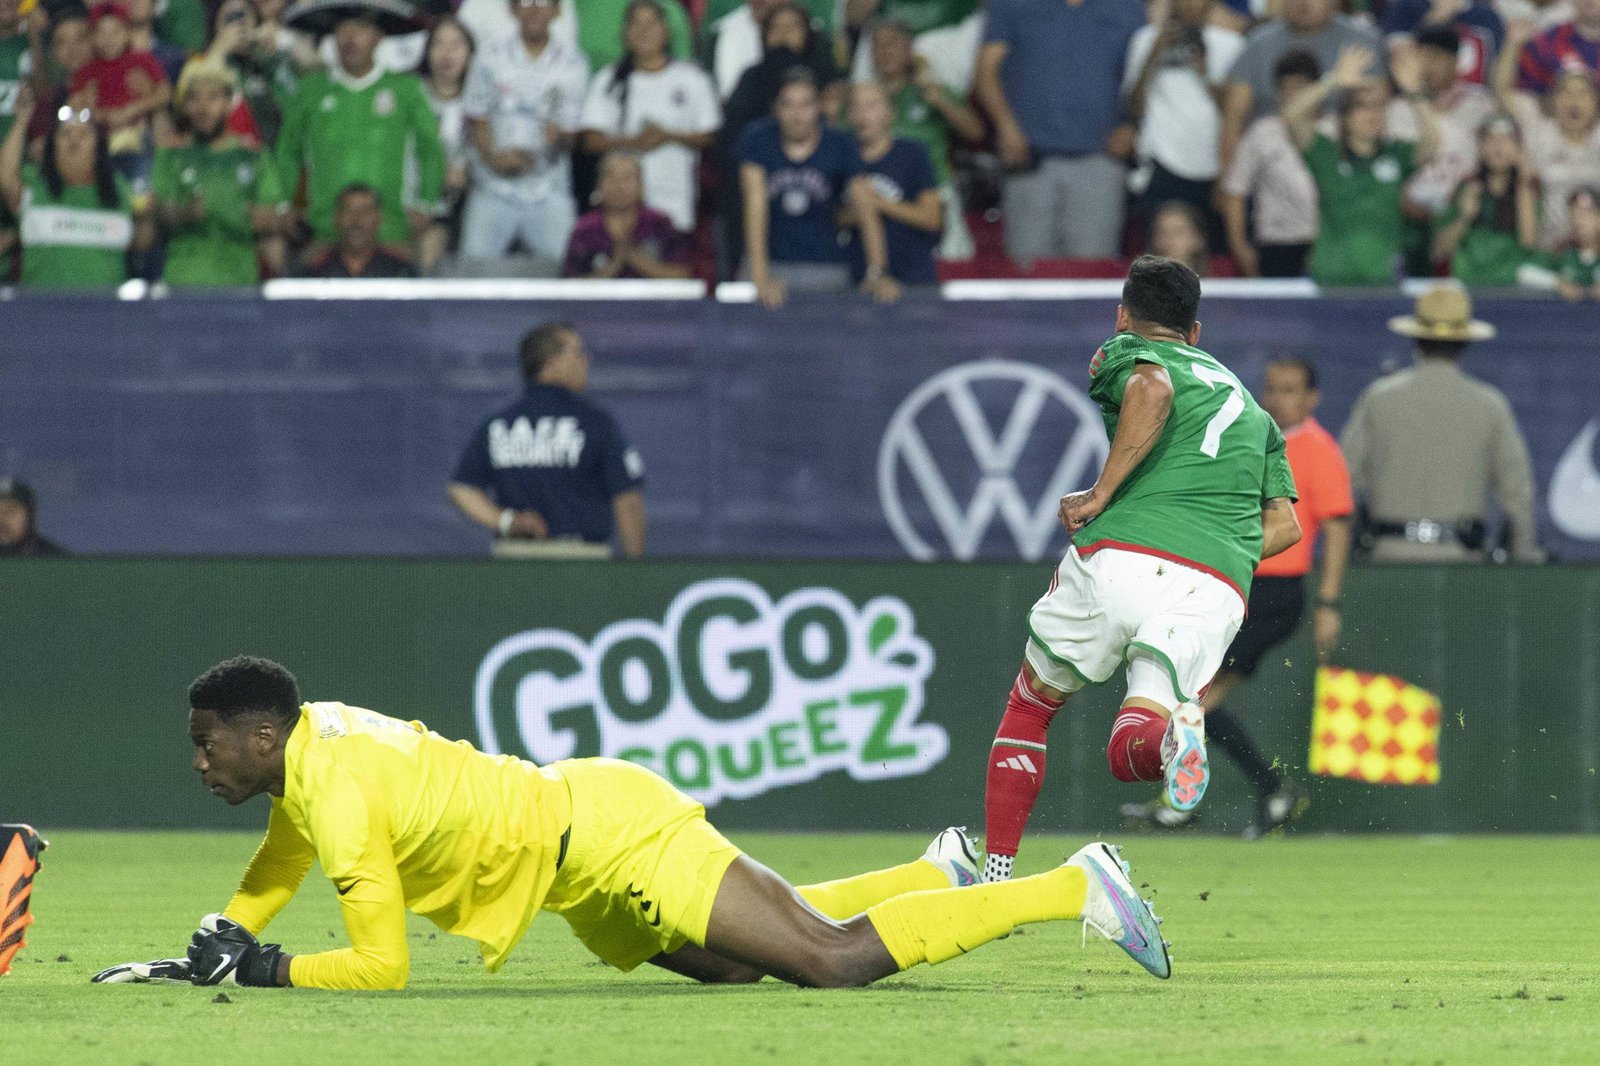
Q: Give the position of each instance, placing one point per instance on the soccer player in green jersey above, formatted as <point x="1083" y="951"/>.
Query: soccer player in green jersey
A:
<point x="1195" y="492"/>
<point x="215" y="196"/>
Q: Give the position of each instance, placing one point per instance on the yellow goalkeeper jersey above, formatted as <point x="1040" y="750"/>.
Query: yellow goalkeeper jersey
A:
<point x="402" y="818"/>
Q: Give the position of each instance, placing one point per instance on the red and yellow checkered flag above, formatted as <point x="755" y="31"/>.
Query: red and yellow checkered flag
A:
<point x="1374" y="727"/>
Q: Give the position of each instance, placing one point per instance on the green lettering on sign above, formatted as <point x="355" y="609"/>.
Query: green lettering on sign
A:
<point x="891" y="702"/>
<point x="824" y="727"/>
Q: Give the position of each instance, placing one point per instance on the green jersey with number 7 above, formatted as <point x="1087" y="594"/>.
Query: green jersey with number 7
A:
<point x="1197" y="497"/>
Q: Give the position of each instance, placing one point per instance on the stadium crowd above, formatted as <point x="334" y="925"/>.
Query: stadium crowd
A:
<point x="824" y="145"/>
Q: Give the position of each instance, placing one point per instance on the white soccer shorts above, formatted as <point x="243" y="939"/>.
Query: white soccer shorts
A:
<point x="1118" y="603"/>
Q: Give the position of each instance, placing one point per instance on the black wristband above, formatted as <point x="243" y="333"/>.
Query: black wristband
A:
<point x="259" y="967"/>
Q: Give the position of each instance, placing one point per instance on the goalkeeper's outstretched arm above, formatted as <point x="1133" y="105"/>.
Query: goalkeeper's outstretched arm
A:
<point x="274" y="874"/>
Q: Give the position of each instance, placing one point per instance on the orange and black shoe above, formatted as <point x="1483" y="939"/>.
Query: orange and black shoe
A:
<point x="20" y="846"/>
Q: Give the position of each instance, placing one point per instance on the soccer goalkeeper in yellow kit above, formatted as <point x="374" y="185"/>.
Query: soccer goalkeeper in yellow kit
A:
<point x="402" y="819"/>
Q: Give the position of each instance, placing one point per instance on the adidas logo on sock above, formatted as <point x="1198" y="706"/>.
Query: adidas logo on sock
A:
<point x="1018" y="762"/>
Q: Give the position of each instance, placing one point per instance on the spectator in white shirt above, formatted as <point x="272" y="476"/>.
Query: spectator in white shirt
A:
<point x="665" y="110"/>
<point x="1269" y="170"/>
<point x="1561" y="139"/>
<point x="524" y="100"/>
<point x="1170" y="83"/>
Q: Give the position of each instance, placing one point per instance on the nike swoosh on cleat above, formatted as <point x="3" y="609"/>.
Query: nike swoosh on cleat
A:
<point x="223" y="965"/>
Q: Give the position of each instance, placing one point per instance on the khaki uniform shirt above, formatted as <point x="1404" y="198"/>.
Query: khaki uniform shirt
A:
<point x="1430" y="442"/>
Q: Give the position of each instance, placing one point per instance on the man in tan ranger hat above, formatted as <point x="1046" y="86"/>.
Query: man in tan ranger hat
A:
<point x="1428" y="446"/>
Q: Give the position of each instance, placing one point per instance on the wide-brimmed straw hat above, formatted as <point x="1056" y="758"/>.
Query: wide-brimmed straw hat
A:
<point x="393" y="17"/>
<point x="1444" y="313"/>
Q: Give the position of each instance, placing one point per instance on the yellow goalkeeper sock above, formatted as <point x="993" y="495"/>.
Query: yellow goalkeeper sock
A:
<point x="934" y="926"/>
<point x="849" y="896"/>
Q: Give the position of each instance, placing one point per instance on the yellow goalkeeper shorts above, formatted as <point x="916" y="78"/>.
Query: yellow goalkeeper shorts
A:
<point x="642" y="867"/>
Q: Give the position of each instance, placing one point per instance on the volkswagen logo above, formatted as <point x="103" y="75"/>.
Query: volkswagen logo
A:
<point x="1013" y="438"/>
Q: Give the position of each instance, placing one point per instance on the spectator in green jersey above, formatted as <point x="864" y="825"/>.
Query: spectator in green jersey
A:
<point x="360" y="124"/>
<point x="217" y="199"/>
<point x="77" y="215"/>
<point x="1360" y="174"/>
<point x="1491" y="227"/>
<point x="1578" y="263"/>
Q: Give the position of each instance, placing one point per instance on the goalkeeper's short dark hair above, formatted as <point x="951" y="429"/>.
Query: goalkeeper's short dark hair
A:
<point x="246" y="684"/>
<point x="1161" y="292"/>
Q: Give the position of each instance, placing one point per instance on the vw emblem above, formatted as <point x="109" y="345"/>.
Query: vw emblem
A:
<point x="1046" y="429"/>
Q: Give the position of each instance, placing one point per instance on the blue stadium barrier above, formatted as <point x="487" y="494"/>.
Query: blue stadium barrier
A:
<point x="229" y="424"/>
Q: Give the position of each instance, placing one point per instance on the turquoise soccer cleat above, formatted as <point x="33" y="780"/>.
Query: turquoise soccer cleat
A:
<point x="1114" y="909"/>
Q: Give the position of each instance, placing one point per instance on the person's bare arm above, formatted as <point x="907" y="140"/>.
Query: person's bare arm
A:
<point x="753" y="184"/>
<point x="1011" y="142"/>
<point x="926" y="212"/>
<point x="867" y="206"/>
<point x="1504" y="79"/>
<point x="962" y="117"/>
<point x="476" y="505"/>
<point x="1527" y="202"/>
<point x="1139" y="94"/>
<point x="1146" y="405"/>
<point x="628" y="508"/>
<point x="1407" y="71"/>
<point x="1348" y="72"/>
<point x="11" y="152"/>
<point x="507" y="162"/>
<point x="1280" y="529"/>
<point x="1327" y="621"/>
<point x="1235" y="225"/>
<point x="1237" y="99"/>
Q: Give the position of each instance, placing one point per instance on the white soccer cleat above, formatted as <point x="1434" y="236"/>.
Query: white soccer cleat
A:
<point x="1183" y="757"/>
<point x="1113" y="908"/>
<point x="955" y="855"/>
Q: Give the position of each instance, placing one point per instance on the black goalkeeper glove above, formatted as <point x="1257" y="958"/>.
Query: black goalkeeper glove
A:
<point x="224" y="952"/>
<point x="140" y="973"/>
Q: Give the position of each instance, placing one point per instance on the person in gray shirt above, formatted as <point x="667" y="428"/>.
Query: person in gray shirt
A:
<point x="1313" y="26"/>
<point x="1428" y="446"/>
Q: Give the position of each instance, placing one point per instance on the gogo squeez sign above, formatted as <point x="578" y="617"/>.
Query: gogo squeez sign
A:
<point x="728" y="695"/>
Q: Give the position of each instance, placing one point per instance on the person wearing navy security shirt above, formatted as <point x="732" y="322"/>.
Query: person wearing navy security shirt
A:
<point x="901" y="182"/>
<point x="553" y="466"/>
<point x="796" y="175"/>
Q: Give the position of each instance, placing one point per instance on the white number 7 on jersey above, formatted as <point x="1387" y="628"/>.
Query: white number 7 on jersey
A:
<point x="1232" y="407"/>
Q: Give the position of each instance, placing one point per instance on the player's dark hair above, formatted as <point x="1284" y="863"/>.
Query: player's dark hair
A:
<point x="246" y="684"/>
<point x="542" y="344"/>
<point x="1298" y="63"/>
<point x="1307" y="368"/>
<point x="1161" y="292"/>
<point x="1441" y="349"/>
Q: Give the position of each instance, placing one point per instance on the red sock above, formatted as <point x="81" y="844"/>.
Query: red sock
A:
<point x="1016" y="767"/>
<point x="1135" y="748"/>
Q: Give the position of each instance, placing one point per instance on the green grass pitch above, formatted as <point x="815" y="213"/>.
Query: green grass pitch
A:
<point x="1311" y="949"/>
